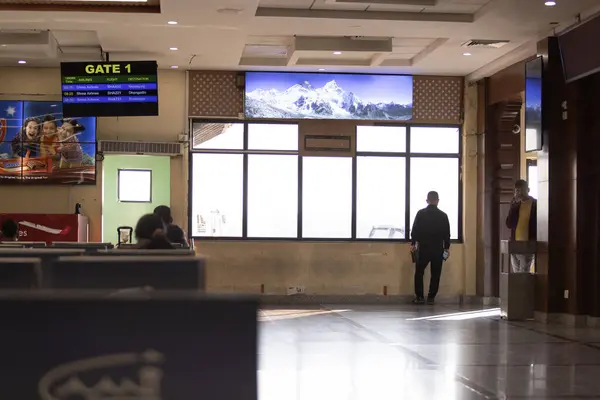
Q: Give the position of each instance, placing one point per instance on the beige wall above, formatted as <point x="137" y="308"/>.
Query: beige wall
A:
<point x="321" y="267"/>
<point x="344" y="268"/>
<point x="44" y="84"/>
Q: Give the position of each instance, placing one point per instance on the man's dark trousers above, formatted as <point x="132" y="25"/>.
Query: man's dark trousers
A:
<point x="435" y="257"/>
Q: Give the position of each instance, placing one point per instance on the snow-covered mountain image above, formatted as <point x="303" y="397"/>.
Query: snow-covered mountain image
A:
<point x="326" y="98"/>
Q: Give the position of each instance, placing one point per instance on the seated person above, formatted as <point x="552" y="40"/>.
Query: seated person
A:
<point x="10" y="231"/>
<point x="174" y="233"/>
<point x="150" y="233"/>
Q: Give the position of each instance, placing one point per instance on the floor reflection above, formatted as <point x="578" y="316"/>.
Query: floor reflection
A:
<point x="385" y="352"/>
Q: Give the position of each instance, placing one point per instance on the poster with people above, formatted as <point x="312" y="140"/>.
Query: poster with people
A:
<point x="38" y="145"/>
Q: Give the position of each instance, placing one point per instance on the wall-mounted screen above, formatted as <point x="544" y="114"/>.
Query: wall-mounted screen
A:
<point x="38" y="145"/>
<point x="533" y="105"/>
<point x="119" y="89"/>
<point x="277" y="95"/>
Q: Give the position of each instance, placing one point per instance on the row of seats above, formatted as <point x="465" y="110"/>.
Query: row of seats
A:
<point x="112" y="270"/>
<point x="89" y="247"/>
<point x="95" y="322"/>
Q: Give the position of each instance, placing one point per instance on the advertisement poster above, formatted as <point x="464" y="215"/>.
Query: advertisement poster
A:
<point x="329" y="96"/>
<point x="46" y="227"/>
<point x="38" y="145"/>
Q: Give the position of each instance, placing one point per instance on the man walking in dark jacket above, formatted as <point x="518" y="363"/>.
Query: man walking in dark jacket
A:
<point x="430" y="245"/>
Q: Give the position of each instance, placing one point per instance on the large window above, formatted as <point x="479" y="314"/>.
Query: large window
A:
<point x="249" y="180"/>
<point x="327" y="197"/>
<point x="217" y="195"/>
<point x="273" y="196"/>
<point x="440" y="175"/>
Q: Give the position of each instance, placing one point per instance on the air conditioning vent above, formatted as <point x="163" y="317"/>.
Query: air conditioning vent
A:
<point x="148" y="148"/>
<point x="480" y="43"/>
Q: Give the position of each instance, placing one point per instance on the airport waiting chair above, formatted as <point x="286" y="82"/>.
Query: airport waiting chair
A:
<point x="118" y="272"/>
<point x="91" y="246"/>
<point x="72" y="343"/>
<point x="145" y="252"/>
<point x="20" y="273"/>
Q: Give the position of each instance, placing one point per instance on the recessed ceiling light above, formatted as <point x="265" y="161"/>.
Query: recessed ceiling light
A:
<point x="467" y="54"/>
<point x="550" y="3"/>
<point x="172" y="22"/>
<point x="22" y="62"/>
<point x="173" y="48"/>
<point x="322" y="69"/>
<point x="174" y="66"/>
<point x="337" y="53"/>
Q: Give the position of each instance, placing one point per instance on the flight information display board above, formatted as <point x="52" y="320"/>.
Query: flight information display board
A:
<point x="109" y="89"/>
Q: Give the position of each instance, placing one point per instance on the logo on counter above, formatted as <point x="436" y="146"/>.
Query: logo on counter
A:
<point x="68" y="381"/>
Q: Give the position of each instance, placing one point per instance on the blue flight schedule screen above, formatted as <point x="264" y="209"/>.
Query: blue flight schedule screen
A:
<point x="110" y="89"/>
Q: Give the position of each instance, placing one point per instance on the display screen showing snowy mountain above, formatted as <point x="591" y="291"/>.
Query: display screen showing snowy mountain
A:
<point x="533" y="105"/>
<point x="328" y="96"/>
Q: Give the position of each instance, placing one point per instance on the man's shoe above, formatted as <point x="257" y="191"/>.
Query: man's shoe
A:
<point x="430" y="301"/>
<point x="418" y="300"/>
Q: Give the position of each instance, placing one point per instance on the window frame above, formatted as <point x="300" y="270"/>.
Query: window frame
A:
<point x="119" y="170"/>
<point x="407" y="155"/>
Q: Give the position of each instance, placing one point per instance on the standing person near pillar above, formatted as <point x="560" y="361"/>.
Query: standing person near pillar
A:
<point x="430" y="245"/>
<point x="522" y="222"/>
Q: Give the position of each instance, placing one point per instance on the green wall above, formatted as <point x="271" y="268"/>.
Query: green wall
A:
<point x="115" y="213"/>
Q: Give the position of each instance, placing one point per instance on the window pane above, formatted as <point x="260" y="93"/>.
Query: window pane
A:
<point x="381" y="138"/>
<point x="217" y="188"/>
<point x="273" y="196"/>
<point x="218" y="136"/>
<point x="434" y="140"/>
<point x="135" y="185"/>
<point x="380" y="206"/>
<point x="532" y="180"/>
<point x="327" y="197"/>
<point x="441" y="175"/>
<point x="272" y="137"/>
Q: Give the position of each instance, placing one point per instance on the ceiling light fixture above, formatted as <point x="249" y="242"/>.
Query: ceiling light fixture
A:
<point x="322" y="69"/>
<point x="22" y="62"/>
<point x="467" y="54"/>
<point x="174" y="66"/>
<point x="337" y="53"/>
<point x="173" y="48"/>
<point x="172" y="22"/>
<point x="550" y="3"/>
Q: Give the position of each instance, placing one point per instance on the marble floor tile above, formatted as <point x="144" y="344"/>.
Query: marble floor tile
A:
<point x="402" y="352"/>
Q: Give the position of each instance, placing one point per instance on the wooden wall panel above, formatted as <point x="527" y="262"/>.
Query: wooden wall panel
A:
<point x="214" y="94"/>
<point x="438" y="99"/>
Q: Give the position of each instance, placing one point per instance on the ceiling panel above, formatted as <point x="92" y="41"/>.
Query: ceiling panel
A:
<point x="286" y="4"/>
<point x="332" y="5"/>
<point x="417" y="42"/>
<point x="76" y="38"/>
<point x="265" y="51"/>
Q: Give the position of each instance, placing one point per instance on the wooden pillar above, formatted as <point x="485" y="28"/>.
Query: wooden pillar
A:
<point x="556" y="266"/>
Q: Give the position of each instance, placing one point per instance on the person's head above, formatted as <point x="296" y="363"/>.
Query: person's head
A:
<point x="148" y="226"/>
<point x="49" y="126"/>
<point x="521" y="188"/>
<point x="433" y="198"/>
<point x="150" y="233"/>
<point x="69" y="128"/>
<point x="164" y="213"/>
<point x="31" y="128"/>
<point x="10" y="230"/>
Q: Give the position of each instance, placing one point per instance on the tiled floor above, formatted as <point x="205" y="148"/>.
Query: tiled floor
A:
<point x="406" y="352"/>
